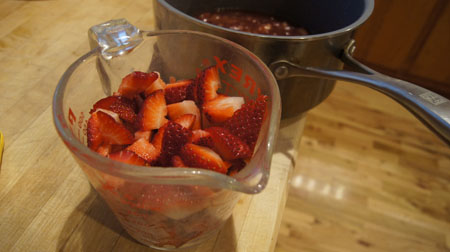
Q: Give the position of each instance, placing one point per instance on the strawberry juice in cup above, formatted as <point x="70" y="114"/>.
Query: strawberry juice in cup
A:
<point x="164" y="207"/>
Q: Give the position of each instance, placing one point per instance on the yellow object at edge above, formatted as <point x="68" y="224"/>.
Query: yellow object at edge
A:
<point x="1" y="146"/>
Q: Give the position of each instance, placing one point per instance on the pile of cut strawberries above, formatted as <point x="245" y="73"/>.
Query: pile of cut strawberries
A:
<point x="186" y="123"/>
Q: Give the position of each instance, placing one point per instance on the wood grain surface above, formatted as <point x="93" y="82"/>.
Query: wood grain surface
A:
<point x="46" y="202"/>
<point x="409" y="41"/>
<point x="368" y="177"/>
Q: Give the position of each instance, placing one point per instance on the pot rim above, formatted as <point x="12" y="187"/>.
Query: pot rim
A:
<point x="369" y="6"/>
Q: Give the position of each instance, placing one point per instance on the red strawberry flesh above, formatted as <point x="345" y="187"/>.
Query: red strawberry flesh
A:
<point x="185" y="107"/>
<point x="175" y="136"/>
<point x="201" y="137"/>
<point x="186" y="120"/>
<point x="177" y="161"/>
<point x="128" y="157"/>
<point x="144" y="150"/>
<point x="156" y="85"/>
<point x="153" y="111"/>
<point x="124" y="107"/>
<point x="207" y="84"/>
<point x="136" y="82"/>
<point x="222" y="108"/>
<point x="178" y="91"/>
<point x="246" y="122"/>
<point x="203" y="157"/>
<point x="228" y="146"/>
<point x="102" y="128"/>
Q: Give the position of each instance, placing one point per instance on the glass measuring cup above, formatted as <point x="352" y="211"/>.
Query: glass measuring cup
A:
<point x="164" y="208"/>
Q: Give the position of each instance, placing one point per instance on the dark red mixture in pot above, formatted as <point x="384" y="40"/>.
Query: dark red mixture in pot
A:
<point x="251" y="22"/>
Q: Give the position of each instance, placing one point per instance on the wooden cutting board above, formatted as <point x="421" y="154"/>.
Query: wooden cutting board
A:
<point x="46" y="203"/>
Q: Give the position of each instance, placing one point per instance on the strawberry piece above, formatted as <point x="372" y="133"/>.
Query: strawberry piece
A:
<point x="246" y="122"/>
<point x="207" y="84"/>
<point x="222" y="108"/>
<point x="186" y="120"/>
<point x="201" y="137"/>
<point x="138" y="100"/>
<point x="135" y="83"/>
<point x="153" y="112"/>
<point x="175" y="136"/>
<point x="177" y="161"/>
<point x="104" y="149"/>
<point x="185" y="107"/>
<point x="102" y="128"/>
<point x="94" y="135"/>
<point x="236" y="166"/>
<point x="144" y="150"/>
<point x="124" y="107"/>
<point x="117" y="148"/>
<point x="128" y="157"/>
<point x="158" y="138"/>
<point x="228" y="146"/>
<point x="179" y="91"/>
<point x="203" y="157"/>
<point x="111" y="183"/>
<point x="156" y="85"/>
<point x="143" y="134"/>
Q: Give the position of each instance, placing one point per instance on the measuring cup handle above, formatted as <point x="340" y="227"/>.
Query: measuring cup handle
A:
<point x="432" y="109"/>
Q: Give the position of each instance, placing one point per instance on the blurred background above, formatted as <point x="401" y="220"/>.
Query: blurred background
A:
<point x="409" y="40"/>
<point x="369" y="176"/>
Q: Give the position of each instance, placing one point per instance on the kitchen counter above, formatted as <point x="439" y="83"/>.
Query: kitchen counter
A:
<point x="47" y="204"/>
<point x="368" y="177"/>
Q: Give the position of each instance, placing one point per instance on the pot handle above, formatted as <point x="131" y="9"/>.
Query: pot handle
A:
<point x="432" y="109"/>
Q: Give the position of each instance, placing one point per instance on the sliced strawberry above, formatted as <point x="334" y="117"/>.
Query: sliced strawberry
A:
<point x="126" y="156"/>
<point x="201" y="137"/>
<point x="153" y="112"/>
<point x="103" y="129"/>
<point x="104" y="149"/>
<point x="227" y="145"/>
<point x="203" y="157"/>
<point x="135" y="83"/>
<point x="143" y="134"/>
<point x="186" y="120"/>
<point x="236" y="166"/>
<point x="246" y="122"/>
<point x="185" y="107"/>
<point x="117" y="148"/>
<point x="144" y="150"/>
<point x="156" y="85"/>
<point x="207" y="84"/>
<point x="177" y="161"/>
<point x="158" y="138"/>
<point x="139" y="100"/>
<point x="222" y="108"/>
<point x="111" y="183"/>
<point x="175" y="136"/>
<point x="124" y="107"/>
<point x="94" y="135"/>
<point x="178" y="91"/>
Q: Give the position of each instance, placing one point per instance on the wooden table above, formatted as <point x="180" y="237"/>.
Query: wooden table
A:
<point x="46" y="203"/>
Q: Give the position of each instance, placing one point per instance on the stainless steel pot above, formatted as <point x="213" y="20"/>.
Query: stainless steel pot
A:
<point x="306" y="66"/>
